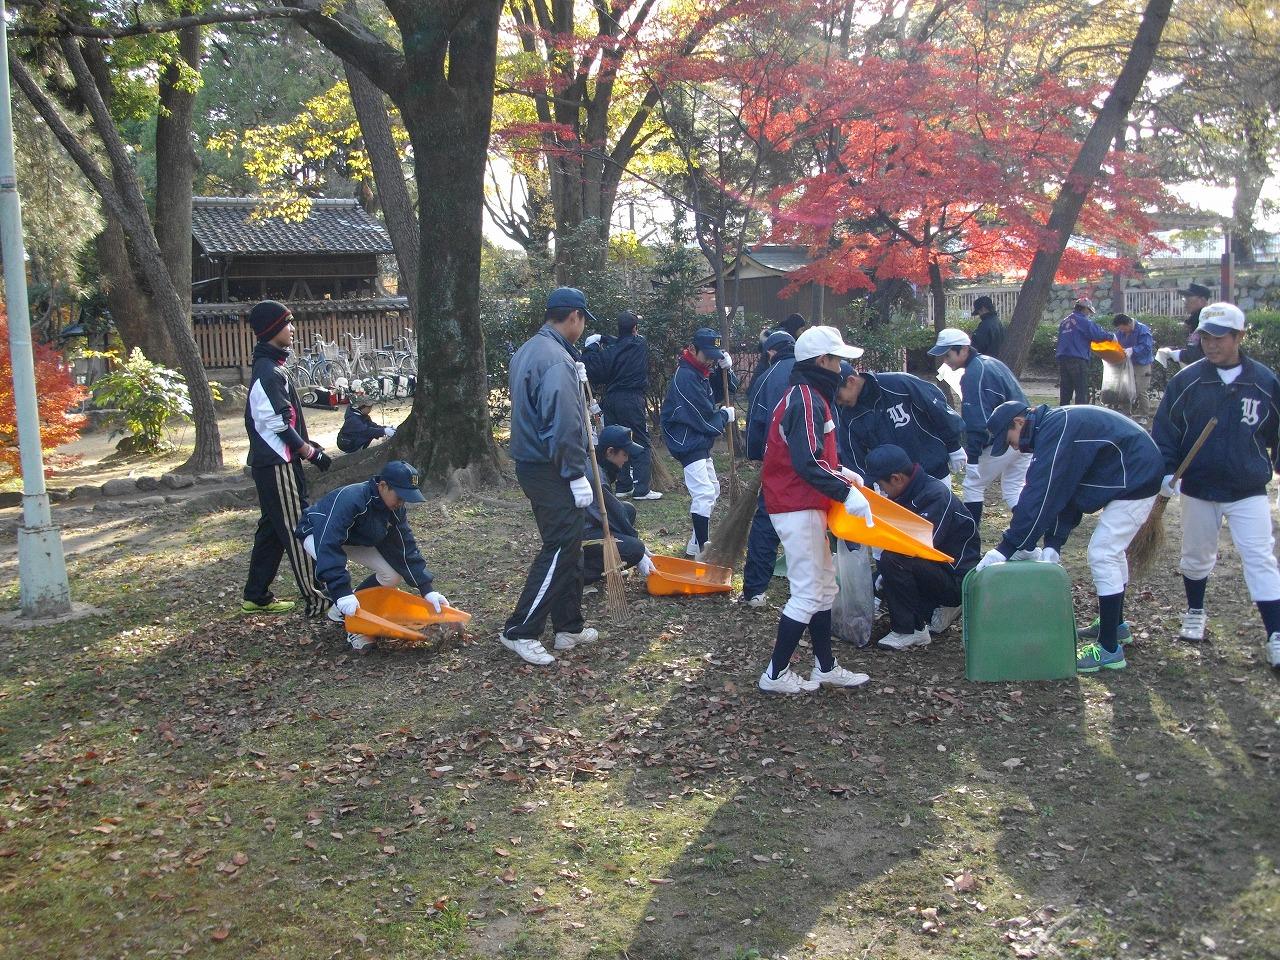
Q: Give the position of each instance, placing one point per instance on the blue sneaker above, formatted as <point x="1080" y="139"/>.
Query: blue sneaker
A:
<point x="1090" y="633"/>
<point x="1092" y="658"/>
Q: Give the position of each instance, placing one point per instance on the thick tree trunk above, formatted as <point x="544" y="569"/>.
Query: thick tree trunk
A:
<point x="939" y="292"/>
<point x="176" y="163"/>
<point x="127" y="298"/>
<point x="1075" y="190"/>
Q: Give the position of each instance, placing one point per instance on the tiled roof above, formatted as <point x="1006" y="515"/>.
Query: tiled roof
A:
<point x="779" y="257"/>
<point x="300" y="307"/>
<point x="222" y="225"/>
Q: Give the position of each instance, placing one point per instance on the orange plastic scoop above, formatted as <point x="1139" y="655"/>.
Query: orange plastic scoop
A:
<point x="1109" y="350"/>
<point x="676" y="576"/>
<point x="388" y="612"/>
<point x="896" y="529"/>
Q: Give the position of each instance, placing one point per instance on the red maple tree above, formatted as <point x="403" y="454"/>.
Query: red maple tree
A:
<point x="56" y="394"/>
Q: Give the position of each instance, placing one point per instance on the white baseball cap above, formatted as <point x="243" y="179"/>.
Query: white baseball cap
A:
<point x="821" y="341"/>
<point x="1219" y="319"/>
<point x="949" y="339"/>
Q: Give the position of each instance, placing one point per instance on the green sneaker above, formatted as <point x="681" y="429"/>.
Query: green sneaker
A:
<point x="1093" y="658"/>
<point x="275" y="606"/>
<point x="1124" y="634"/>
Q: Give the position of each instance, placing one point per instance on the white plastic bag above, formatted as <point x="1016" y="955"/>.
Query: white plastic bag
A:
<point x="854" y="609"/>
<point x="1119" y="388"/>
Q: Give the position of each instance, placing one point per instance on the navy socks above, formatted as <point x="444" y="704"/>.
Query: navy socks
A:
<point x="1110" y="611"/>
<point x="789" y="634"/>
<point x="1195" y="592"/>
<point x="701" y="529"/>
<point x="820" y="637"/>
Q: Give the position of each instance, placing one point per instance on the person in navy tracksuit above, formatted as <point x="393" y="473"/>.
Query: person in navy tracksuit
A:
<point x="1084" y="459"/>
<point x="626" y="383"/>
<point x="984" y="384"/>
<point x="770" y="382"/>
<point x="1076" y="331"/>
<point x="614" y="448"/>
<point x="691" y="422"/>
<point x="358" y="429"/>
<point x="1229" y="476"/>
<point x="897" y="408"/>
<point x="923" y="596"/>
<point x="1140" y="348"/>
<point x="366" y="522"/>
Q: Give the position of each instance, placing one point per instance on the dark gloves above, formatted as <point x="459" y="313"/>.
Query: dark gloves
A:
<point x="321" y="459"/>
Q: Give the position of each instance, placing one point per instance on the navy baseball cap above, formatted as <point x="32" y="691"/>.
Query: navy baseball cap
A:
<point x="778" y="339"/>
<point x="619" y="437"/>
<point x="846" y="371"/>
<point x="403" y="479"/>
<point x="570" y="297"/>
<point x="1197" y="290"/>
<point x="708" y="341"/>
<point x="888" y="459"/>
<point x="998" y="424"/>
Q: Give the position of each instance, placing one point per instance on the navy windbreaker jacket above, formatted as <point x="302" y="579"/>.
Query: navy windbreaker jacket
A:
<point x="358" y="431"/>
<point x="766" y="390"/>
<point x="596" y="358"/>
<point x="622" y="518"/>
<point x="272" y="413"/>
<point x="989" y="337"/>
<point x="1075" y="333"/>
<point x="628" y="366"/>
<point x="1083" y="457"/>
<point x="986" y="384"/>
<point x="901" y="409"/>
<point x="1143" y="344"/>
<point x="356" y="515"/>
<point x="954" y="532"/>
<point x="691" y="418"/>
<point x="547" y="421"/>
<point x="1242" y="451"/>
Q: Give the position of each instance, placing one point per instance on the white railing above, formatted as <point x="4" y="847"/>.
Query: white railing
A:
<point x="1162" y="302"/>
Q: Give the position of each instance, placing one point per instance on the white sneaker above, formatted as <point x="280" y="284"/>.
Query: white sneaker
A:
<point x="759" y="600"/>
<point x="358" y="643"/>
<point x="788" y="682"/>
<point x="622" y="494"/>
<point x="837" y="676"/>
<point x="903" y="641"/>
<point x="1193" y="624"/>
<point x="691" y="548"/>
<point x="651" y="495"/>
<point x="943" y="618"/>
<point x="703" y="552"/>
<point x="567" y="641"/>
<point x="334" y="614"/>
<point x="530" y="651"/>
<point x="1273" y="651"/>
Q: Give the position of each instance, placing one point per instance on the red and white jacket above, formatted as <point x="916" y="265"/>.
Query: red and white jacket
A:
<point x="801" y="455"/>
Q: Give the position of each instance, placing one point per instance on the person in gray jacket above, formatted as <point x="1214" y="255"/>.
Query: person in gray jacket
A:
<point x="548" y="445"/>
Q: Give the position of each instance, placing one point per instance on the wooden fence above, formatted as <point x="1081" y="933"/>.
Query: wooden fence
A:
<point x="1161" y="302"/>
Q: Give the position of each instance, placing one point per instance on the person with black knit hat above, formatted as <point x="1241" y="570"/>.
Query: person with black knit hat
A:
<point x="794" y="324"/>
<point x="278" y="443"/>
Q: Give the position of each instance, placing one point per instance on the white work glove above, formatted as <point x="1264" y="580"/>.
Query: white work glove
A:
<point x="729" y="413"/>
<point x="855" y="504"/>
<point x="348" y="605"/>
<point x="958" y="460"/>
<point x="879" y="584"/>
<point x="437" y="600"/>
<point x="582" y="494"/>
<point x="1170" y="487"/>
<point x="1050" y="555"/>
<point x="646" y="566"/>
<point x="725" y="362"/>
<point x="1164" y="355"/>
<point x="593" y="340"/>
<point x="389" y="432"/>
<point x="1027" y="554"/>
<point x="595" y="408"/>
<point x="1128" y="351"/>
<point x="582" y="371"/>
<point x="992" y="557"/>
<point x="852" y="476"/>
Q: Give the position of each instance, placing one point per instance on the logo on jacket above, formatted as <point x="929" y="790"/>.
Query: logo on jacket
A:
<point x="898" y="414"/>
<point x="1249" y="408"/>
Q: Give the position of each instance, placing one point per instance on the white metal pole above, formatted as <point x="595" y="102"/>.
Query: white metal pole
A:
<point x="42" y="571"/>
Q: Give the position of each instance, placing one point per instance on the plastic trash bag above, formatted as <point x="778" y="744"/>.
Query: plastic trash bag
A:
<point x="1119" y="387"/>
<point x="854" y="609"/>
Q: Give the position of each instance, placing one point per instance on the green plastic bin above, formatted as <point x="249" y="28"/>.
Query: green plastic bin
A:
<point x="1019" y="623"/>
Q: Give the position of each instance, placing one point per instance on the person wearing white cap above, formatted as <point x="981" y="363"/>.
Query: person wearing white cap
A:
<point x="800" y="479"/>
<point x="1228" y="478"/>
<point x="985" y="384"/>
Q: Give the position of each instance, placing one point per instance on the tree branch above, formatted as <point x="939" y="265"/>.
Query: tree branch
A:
<point x="68" y="27"/>
<point x="350" y="40"/>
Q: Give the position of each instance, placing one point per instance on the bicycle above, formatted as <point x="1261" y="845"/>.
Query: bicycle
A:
<point x="364" y="360"/>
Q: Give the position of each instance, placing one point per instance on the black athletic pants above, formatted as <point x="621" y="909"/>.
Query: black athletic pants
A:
<point x="914" y="588"/>
<point x="630" y="551"/>
<point x="1073" y="380"/>
<point x="553" y="587"/>
<point x="282" y="496"/>
<point x="626" y="408"/>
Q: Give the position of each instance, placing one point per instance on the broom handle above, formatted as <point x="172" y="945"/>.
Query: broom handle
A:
<point x="1195" y="448"/>
<point x="587" y="399"/>
<point x="728" y="432"/>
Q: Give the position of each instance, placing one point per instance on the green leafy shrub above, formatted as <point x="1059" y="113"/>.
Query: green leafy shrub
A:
<point x="147" y="397"/>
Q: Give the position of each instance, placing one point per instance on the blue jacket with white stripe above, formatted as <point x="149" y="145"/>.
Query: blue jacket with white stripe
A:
<point x="691" y="418"/>
<point x="763" y="395"/>
<point x="1244" y="448"/>
<point x="1075" y="333"/>
<point x="986" y="384"/>
<point x="1082" y="458"/>
<point x="954" y="532"/>
<point x="355" y="515"/>
<point x="901" y="409"/>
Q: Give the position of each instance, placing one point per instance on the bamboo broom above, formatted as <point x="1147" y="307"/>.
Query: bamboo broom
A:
<point x="729" y="538"/>
<point x="1146" y="543"/>
<point x="728" y="436"/>
<point x="614" y="589"/>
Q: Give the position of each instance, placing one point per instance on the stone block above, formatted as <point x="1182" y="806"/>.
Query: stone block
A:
<point x="85" y="491"/>
<point x="156" y="501"/>
<point x="178" y="481"/>
<point x="148" y="483"/>
<point x="119" y="487"/>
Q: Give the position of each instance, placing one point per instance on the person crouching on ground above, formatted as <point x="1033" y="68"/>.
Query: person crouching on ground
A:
<point x="366" y="522"/>
<point x="923" y="596"/>
<point x="691" y="422"/>
<point x="800" y="478"/>
<point x="358" y="429"/>
<point x="1084" y="459"/>
<point x="614" y="450"/>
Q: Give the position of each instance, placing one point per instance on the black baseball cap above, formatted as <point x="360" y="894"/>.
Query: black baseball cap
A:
<point x="403" y="479"/>
<point x="619" y="437"/>
<point x="1197" y="290"/>
<point x="998" y="424"/>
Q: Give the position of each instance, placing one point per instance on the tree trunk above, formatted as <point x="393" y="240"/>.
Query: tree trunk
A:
<point x="939" y="293"/>
<point x="176" y="163"/>
<point x="388" y="176"/>
<point x="1075" y="189"/>
<point x="131" y="308"/>
<point x="1250" y="180"/>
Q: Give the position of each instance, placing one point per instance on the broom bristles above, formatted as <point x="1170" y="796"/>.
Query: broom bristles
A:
<point x="1147" y="542"/>
<point x="729" y="538"/>
<point x="659" y="476"/>
<point x="615" y="590"/>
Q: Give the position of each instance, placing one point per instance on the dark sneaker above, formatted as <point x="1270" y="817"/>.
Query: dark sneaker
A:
<point x="1094" y="657"/>
<point x="272" y="606"/>
<point x="1090" y="633"/>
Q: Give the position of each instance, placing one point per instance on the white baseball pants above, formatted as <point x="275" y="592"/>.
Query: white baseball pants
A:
<point x="811" y="571"/>
<point x="704" y="486"/>
<point x="1117" y="524"/>
<point x="1010" y="468"/>
<point x="365" y="556"/>
<point x="1249" y="521"/>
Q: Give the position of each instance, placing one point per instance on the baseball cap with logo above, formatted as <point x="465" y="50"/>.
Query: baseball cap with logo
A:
<point x="824" y="341"/>
<point x="403" y="479"/>
<point x="570" y="297"/>
<point x="708" y="341"/>
<point x="949" y="339"/>
<point x="1219" y="319"/>
<point x="619" y="437"/>
<point x="998" y="424"/>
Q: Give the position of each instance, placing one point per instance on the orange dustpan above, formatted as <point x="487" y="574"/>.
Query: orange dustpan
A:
<point x="675" y="576"/>
<point x="388" y="612"/>
<point x="1108" y="350"/>
<point x="896" y="529"/>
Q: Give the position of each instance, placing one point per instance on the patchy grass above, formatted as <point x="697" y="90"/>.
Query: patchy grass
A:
<point x="176" y="779"/>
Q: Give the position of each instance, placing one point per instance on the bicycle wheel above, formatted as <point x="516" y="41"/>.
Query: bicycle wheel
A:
<point x="407" y="363"/>
<point x="326" y="373"/>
